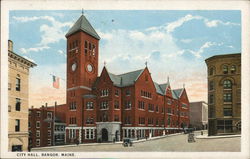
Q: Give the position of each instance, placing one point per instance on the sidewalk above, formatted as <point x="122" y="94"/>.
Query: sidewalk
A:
<point x="205" y="136"/>
<point x="109" y="143"/>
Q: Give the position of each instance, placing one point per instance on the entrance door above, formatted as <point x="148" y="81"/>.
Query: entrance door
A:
<point x="104" y="135"/>
<point x="16" y="148"/>
<point x="116" y="136"/>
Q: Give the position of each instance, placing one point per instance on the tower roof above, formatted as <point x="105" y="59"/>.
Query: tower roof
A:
<point x="82" y="24"/>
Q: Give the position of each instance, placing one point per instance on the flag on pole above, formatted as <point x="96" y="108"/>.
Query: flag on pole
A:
<point x="56" y="82"/>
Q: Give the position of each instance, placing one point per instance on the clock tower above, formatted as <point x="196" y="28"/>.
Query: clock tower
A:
<point x="82" y="71"/>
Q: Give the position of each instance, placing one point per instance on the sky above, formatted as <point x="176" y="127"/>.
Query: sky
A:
<point x="174" y="43"/>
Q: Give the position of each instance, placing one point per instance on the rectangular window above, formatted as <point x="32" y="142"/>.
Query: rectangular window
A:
<point x="18" y="84"/>
<point x="17" y="125"/>
<point x="38" y="133"/>
<point x="49" y="133"/>
<point x="141" y="105"/>
<point x="37" y="124"/>
<point x="211" y="99"/>
<point x="49" y="125"/>
<point x="104" y="93"/>
<point x="117" y="92"/>
<point x="227" y="97"/>
<point x="9" y="86"/>
<point x="127" y="120"/>
<point x="227" y="111"/>
<point x="72" y="106"/>
<point x="90" y="121"/>
<point x="116" y="118"/>
<point x="18" y="104"/>
<point x="151" y="107"/>
<point x="116" y="104"/>
<point x="38" y="113"/>
<point x="29" y="124"/>
<point x="211" y="112"/>
<point x="9" y="108"/>
<point x="49" y="115"/>
<point x="37" y="142"/>
<point x="90" y="105"/>
<point x="49" y="141"/>
<point x="104" y="105"/>
<point x="211" y="85"/>
<point x="128" y="104"/>
<point x="128" y="92"/>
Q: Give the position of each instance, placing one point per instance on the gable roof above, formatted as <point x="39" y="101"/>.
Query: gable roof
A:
<point x="178" y="92"/>
<point x="82" y="24"/>
<point x="125" y="79"/>
<point x="159" y="89"/>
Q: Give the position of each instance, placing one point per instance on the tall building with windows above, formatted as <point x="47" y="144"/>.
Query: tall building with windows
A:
<point x="18" y="94"/>
<point x="110" y="107"/>
<point x="224" y="94"/>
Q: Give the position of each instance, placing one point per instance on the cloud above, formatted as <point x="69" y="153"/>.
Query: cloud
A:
<point x="61" y="52"/>
<point x="215" y="23"/>
<point x="201" y="50"/>
<point x="51" y="33"/>
<point x="173" y="25"/>
<point x="33" y="49"/>
<point x="186" y="40"/>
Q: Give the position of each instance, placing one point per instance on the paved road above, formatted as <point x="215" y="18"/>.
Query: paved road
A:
<point x="176" y="143"/>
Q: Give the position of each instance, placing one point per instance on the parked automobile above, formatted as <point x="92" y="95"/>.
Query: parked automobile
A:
<point x="127" y="142"/>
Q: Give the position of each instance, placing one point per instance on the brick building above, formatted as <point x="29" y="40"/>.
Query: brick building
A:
<point x="18" y="98"/>
<point x="224" y="94"/>
<point x="110" y="107"/>
<point x="198" y="115"/>
<point x="46" y="126"/>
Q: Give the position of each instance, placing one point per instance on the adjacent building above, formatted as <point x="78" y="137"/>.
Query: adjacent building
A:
<point x="198" y="115"/>
<point x="224" y="94"/>
<point x="111" y="107"/>
<point x="18" y="94"/>
<point x="47" y="126"/>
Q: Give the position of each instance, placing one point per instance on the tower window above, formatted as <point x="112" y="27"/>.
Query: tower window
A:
<point x="211" y="99"/>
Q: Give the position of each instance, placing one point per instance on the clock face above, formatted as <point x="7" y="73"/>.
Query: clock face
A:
<point x="73" y="67"/>
<point x="90" y="67"/>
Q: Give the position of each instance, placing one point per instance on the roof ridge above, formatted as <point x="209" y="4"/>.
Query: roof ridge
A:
<point x="130" y="72"/>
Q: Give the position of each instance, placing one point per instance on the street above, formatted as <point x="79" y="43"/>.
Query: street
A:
<point x="176" y="143"/>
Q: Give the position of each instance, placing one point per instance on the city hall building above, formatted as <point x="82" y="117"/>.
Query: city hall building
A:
<point x="110" y="107"/>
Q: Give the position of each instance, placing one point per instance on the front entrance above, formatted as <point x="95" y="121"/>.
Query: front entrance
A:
<point x="16" y="148"/>
<point x="104" y="135"/>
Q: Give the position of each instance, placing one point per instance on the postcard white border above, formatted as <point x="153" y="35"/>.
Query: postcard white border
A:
<point x="244" y="6"/>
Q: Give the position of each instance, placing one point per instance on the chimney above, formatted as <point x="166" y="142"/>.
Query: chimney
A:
<point x="32" y="107"/>
<point x="46" y="105"/>
<point x="10" y="45"/>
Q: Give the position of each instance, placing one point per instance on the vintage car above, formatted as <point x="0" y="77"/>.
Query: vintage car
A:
<point x="127" y="142"/>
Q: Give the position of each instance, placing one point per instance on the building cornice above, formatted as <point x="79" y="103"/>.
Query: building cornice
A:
<point x="21" y="59"/>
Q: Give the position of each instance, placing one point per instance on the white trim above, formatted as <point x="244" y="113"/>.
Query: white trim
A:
<point x="159" y="128"/>
<point x="78" y="127"/>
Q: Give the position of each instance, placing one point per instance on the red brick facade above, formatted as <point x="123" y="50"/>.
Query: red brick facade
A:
<point x="111" y="107"/>
<point x="43" y="123"/>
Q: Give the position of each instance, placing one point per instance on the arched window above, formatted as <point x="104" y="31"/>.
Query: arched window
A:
<point x="227" y="84"/>
<point x="233" y="69"/>
<point x="225" y="69"/>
